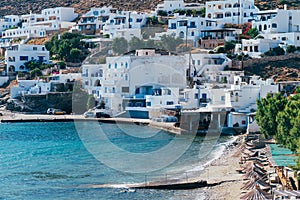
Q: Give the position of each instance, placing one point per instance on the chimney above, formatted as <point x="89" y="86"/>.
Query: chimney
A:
<point x="285" y="7"/>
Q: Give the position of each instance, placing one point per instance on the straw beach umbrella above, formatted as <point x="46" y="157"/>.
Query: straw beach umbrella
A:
<point x="252" y="184"/>
<point x="256" y="194"/>
<point x="253" y="174"/>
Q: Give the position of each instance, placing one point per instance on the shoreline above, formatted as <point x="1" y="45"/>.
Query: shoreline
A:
<point x="220" y="173"/>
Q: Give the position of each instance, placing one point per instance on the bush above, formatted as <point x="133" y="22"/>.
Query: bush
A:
<point x="162" y="13"/>
<point x="61" y="65"/>
<point x="277" y="51"/>
<point x="291" y="49"/>
<point x="35" y="72"/>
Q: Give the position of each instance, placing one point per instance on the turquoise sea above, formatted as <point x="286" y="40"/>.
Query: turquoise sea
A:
<point x="53" y="161"/>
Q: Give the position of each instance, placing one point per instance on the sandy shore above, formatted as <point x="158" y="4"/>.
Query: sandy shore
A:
<point x="223" y="173"/>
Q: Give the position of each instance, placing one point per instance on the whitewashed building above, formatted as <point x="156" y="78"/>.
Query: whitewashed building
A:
<point x="280" y="24"/>
<point x="170" y="5"/>
<point x="36" y="25"/>
<point x="9" y="21"/>
<point x="124" y="21"/>
<point x="16" y="56"/>
<point x="231" y="11"/>
<point x="257" y="47"/>
<point x="209" y="67"/>
<point x="94" y="19"/>
<point x="131" y="77"/>
<point x="92" y="79"/>
<point x="112" y="23"/>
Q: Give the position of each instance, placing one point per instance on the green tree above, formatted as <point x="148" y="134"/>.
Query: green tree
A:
<point x="60" y="48"/>
<point x="120" y="45"/>
<point x="277" y="51"/>
<point x="162" y="13"/>
<point x="253" y="32"/>
<point x="136" y="43"/>
<point x="61" y="65"/>
<point x="35" y="73"/>
<point x="75" y="55"/>
<point x="90" y="102"/>
<point x="291" y="49"/>
<point x="169" y="42"/>
<point x="267" y="110"/>
<point x="202" y="12"/>
<point x="33" y="64"/>
<point x="229" y="46"/>
<point x="149" y="43"/>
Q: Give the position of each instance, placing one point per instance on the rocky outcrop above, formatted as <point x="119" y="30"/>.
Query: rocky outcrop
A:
<point x="40" y="103"/>
<point x="280" y="68"/>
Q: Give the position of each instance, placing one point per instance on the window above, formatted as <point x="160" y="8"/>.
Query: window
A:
<point x="23" y="58"/>
<point x="109" y="66"/>
<point x="274" y="25"/>
<point x="199" y="62"/>
<point x="148" y="103"/>
<point x="125" y="89"/>
<point x="166" y="92"/>
<point x="116" y="65"/>
<point x="181" y="34"/>
<point x="222" y="98"/>
<point x="34" y="48"/>
<point x="170" y="102"/>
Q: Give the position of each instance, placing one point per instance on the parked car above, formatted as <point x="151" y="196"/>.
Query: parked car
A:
<point x="50" y="111"/>
<point x="89" y="114"/>
<point x="59" y="112"/>
<point x="102" y="115"/>
<point x="53" y="111"/>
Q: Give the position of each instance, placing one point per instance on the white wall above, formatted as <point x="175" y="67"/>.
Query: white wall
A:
<point x="17" y="56"/>
<point x="3" y="79"/>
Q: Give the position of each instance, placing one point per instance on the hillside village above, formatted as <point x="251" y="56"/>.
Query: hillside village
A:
<point x="187" y="57"/>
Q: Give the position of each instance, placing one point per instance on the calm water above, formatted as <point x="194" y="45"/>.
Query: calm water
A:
<point x="50" y="161"/>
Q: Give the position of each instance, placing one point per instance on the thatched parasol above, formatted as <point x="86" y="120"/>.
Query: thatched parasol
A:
<point x="252" y="184"/>
<point x="254" y="174"/>
<point x="256" y="194"/>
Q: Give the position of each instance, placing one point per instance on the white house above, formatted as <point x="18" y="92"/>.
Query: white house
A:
<point x="170" y="5"/>
<point x="243" y="94"/>
<point x="134" y="76"/>
<point x="280" y="24"/>
<point x="16" y="56"/>
<point x="94" y="19"/>
<point x="256" y="47"/>
<point x="124" y="20"/>
<point x="9" y="21"/>
<point x="35" y="31"/>
<point x="231" y="11"/>
<point x="209" y="67"/>
<point x="92" y="78"/>
<point x="36" y="25"/>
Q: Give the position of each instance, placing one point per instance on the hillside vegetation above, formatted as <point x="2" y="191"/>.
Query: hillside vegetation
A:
<point x="82" y="6"/>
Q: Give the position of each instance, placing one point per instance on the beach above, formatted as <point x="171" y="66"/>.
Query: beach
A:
<point x="222" y="172"/>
